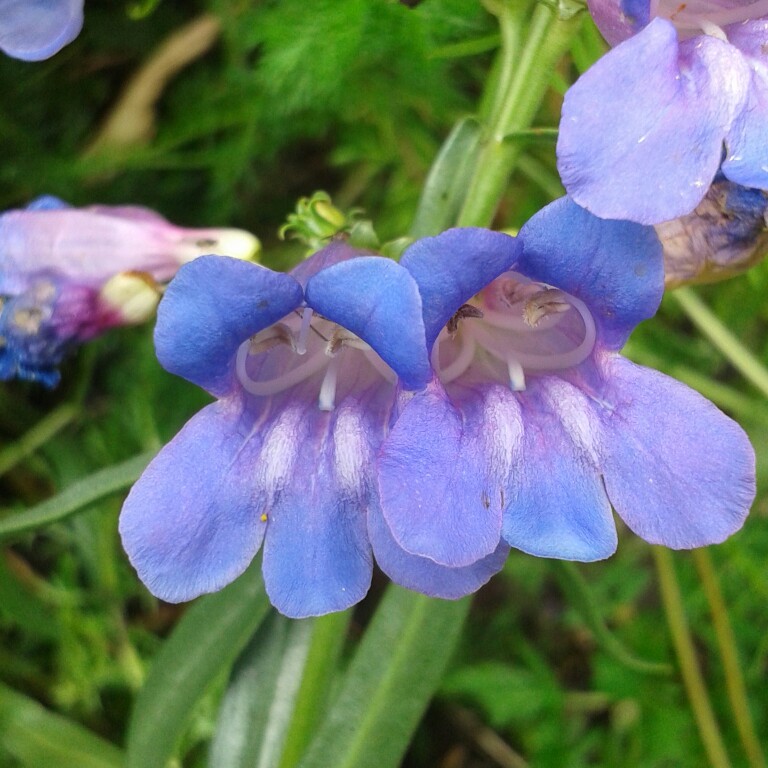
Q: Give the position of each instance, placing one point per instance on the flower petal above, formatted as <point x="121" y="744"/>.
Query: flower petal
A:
<point x="642" y="131"/>
<point x="379" y="301"/>
<point x="615" y="267"/>
<point x="317" y="558"/>
<point x="678" y="471"/>
<point x="619" y="19"/>
<point x="453" y="266"/>
<point x="33" y="30"/>
<point x="444" y="471"/>
<point x="426" y="576"/>
<point x="191" y="524"/>
<point x="213" y="305"/>
<point x="561" y="509"/>
<point x="747" y="160"/>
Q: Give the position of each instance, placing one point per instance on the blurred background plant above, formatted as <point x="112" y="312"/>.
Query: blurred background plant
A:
<point x="224" y="113"/>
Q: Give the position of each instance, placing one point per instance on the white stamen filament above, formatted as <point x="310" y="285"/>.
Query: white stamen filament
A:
<point x="516" y="375"/>
<point x="306" y="321"/>
<point x="548" y="361"/>
<point x="296" y="337"/>
<point x="327" y="398"/>
<point x="273" y="386"/>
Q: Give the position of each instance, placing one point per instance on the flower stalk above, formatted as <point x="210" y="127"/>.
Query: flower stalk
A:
<point x="685" y="651"/>
<point x="524" y="77"/>
<point x="726" y="643"/>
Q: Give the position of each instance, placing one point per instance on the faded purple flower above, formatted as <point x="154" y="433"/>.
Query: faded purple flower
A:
<point x="68" y="274"/>
<point x="726" y="234"/>
<point x="644" y="131"/>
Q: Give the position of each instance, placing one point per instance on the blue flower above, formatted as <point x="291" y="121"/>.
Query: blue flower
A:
<point x="36" y="29"/>
<point x="68" y="274"/>
<point x="305" y="369"/>
<point x="643" y="131"/>
<point x="534" y="425"/>
<point x="727" y="233"/>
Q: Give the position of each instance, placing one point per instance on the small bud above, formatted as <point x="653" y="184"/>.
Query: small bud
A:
<point x="317" y="221"/>
<point x="133" y="295"/>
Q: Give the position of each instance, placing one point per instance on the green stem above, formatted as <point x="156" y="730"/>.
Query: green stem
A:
<point x="39" y="435"/>
<point x="722" y="339"/>
<point x="726" y="642"/>
<point x="686" y="656"/>
<point x="520" y="93"/>
<point x="511" y="26"/>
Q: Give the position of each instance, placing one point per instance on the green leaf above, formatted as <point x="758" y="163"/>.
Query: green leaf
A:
<point x="76" y="497"/>
<point x="259" y="700"/>
<point x="41" y="739"/>
<point x="389" y="683"/>
<point x="204" y="644"/>
<point x="448" y="179"/>
<point x="277" y="691"/>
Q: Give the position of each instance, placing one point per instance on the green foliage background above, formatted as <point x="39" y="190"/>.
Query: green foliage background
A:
<point x="354" y="97"/>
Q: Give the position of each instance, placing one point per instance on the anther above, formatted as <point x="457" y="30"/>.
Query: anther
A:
<point x="464" y="312"/>
<point x="550" y="301"/>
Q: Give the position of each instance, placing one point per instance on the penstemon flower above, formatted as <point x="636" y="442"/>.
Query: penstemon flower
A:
<point x="644" y="131"/>
<point x="68" y="274"/>
<point x="534" y="425"/>
<point x="37" y="29"/>
<point x="305" y="368"/>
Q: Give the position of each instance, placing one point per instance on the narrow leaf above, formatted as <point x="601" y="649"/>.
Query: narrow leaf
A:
<point x="42" y="739"/>
<point x="76" y="497"/>
<point x="204" y="644"/>
<point x="259" y="700"/>
<point x="448" y="179"/>
<point x="389" y="682"/>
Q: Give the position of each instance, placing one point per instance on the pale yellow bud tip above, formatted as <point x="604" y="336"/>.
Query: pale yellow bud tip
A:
<point x="235" y="243"/>
<point x="134" y="295"/>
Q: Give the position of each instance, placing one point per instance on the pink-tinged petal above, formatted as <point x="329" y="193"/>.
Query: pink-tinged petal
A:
<point x="445" y="471"/>
<point x="561" y="509"/>
<point x="678" y="471"/>
<point x="641" y="135"/>
<point x="190" y="525"/>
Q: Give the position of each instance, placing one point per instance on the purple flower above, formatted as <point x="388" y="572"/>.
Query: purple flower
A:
<point x="36" y="29"/>
<point x="68" y="274"/>
<point x="534" y="426"/>
<point x="305" y="369"/>
<point x="644" y="131"/>
<point x="726" y="234"/>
